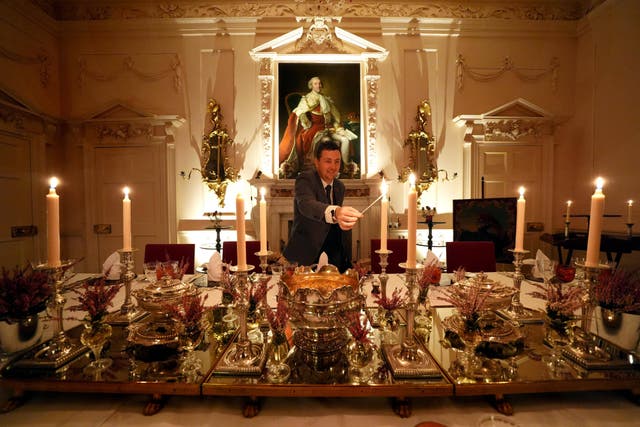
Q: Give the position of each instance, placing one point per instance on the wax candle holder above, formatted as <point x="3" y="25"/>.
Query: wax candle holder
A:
<point x="566" y="229"/>
<point x="60" y="349"/>
<point x="243" y="356"/>
<point x="264" y="256"/>
<point x="129" y="312"/>
<point x="383" y="277"/>
<point x="516" y="310"/>
<point x="408" y="359"/>
<point x="591" y="277"/>
<point x="629" y="229"/>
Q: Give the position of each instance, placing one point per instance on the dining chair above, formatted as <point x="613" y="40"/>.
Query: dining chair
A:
<point x="472" y="255"/>
<point x="171" y="252"/>
<point x="399" y="248"/>
<point x="230" y="253"/>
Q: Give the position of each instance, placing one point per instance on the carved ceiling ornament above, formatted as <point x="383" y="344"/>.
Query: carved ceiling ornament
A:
<point x="555" y="10"/>
<point x="320" y="42"/>
<point x="173" y="70"/>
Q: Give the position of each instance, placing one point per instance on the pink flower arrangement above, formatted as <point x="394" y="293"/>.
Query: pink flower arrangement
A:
<point x="169" y="269"/>
<point x="362" y="269"/>
<point x="459" y="275"/>
<point x="431" y="275"/>
<point x="23" y="292"/>
<point x="189" y="311"/>
<point x="619" y="291"/>
<point x="95" y="297"/>
<point x="398" y="299"/>
<point x="358" y="329"/>
<point x="468" y="300"/>
<point x="562" y="299"/>
<point x="278" y="319"/>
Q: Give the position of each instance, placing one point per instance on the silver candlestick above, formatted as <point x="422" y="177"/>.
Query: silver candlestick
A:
<point x="264" y="256"/>
<point x="591" y="275"/>
<point x="128" y="312"/>
<point x="629" y="229"/>
<point x="408" y="360"/>
<point x="566" y="229"/>
<point x="383" y="277"/>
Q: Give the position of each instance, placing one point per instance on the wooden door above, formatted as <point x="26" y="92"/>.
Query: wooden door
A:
<point x="143" y="169"/>
<point x="17" y="243"/>
<point x="507" y="166"/>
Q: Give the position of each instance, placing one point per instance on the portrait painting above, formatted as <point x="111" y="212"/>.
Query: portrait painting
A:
<point x="315" y="102"/>
<point x="492" y="219"/>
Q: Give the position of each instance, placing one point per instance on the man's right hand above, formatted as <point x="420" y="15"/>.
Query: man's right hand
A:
<point x="347" y="217"/>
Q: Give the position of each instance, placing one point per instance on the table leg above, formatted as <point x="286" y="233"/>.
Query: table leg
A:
<point x="155" y="404"/>
<point x="18" y="399"/>
<point x="251" y="407"/>
<point x="401" y="406"/>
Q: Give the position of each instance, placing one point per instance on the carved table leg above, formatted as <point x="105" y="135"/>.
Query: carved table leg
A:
<point x="155" y="404"/>
<point x="502" y="405"/>
<point x="401" y="406"/>
<point x="18" y="399"/>
<point x="251" y="407"/>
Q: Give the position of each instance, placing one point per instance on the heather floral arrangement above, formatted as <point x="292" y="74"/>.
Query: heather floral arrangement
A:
<point x="257" y="289"/>
<point x="278" y="319"/>
<point x="470" y="301"/>
<point x="431" y="275"/>
<point x="171" y="269"/>
<point x="358" y="326"/>
<point x="397" y="300"/>
<point x="188" y="311"/>
<point x="363" y="269"/>
<point x="95" y="297"/>
<point x="562" y="299"/>
<point x="23" y="292"/>
<point x="619" y="291"/>
<point x="459" y="275"/>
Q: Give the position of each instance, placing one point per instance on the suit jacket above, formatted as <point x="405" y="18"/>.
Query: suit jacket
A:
<point x="309" y="228"/>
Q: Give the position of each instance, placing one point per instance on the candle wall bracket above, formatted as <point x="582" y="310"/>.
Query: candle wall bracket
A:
<point x="242" y="357"/>
<point x="129" y="312"/>
<point x="60" y="349"/>
<point x="516" y="310"/>
<point x="408" y="359"/>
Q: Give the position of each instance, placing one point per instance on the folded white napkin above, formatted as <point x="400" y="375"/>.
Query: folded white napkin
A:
<point x="214" y="267"/>
<point x="431" y="259"/>
<point x="112" y="268"/>
<point x="543" y="266"/>
<point x="322" y="261"/>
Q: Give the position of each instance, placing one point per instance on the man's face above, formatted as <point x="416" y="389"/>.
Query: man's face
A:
<point x="316" y="85"/>
<point x="328" y="165"/>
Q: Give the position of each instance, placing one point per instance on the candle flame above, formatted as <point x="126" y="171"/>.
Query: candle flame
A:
<point x="412" y="180"/>
<point x="569" y="202"/>
<point x="630" y="202"/>
<point x="53" y="182"/>
<point x="521" y="190"/>
<point x="599" y="183"/>
<point x="263" y="192"/>
<point x="126" y="192"/>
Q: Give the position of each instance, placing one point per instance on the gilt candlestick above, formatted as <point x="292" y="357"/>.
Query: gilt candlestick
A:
<point x="566" y="229"/>
<point x="129" y="312"/>
<point x="383" y="277"/>
<point x="516" y="309"/>
<point x="264" y="256"/>
<point x="629" y="229"/>
<point x="591" y="277"/>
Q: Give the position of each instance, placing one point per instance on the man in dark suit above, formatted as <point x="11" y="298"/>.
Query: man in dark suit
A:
<point x="320" y="222"/>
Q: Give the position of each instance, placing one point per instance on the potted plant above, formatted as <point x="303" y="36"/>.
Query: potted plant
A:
<point x="24" y="293"/>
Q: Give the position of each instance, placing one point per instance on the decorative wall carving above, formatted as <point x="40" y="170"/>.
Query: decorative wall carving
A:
<point x="140" y="9"/>
<point x="41" y="59"/>
<point x="524" y="74"/>
<point x="515" y="129"/>
<point x="123" y="131"/>
<point x="174" y="70"/>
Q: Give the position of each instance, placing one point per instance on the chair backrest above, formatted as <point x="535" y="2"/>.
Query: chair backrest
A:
<point x="230" y="253"/>
<point x="171" y="252"/>
<point x="399" y="248"/>
<point x="472" y="255"/>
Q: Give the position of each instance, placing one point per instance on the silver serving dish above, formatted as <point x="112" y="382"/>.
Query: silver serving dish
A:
<point x="317" y="301"/>
<point x="499" y="295"/>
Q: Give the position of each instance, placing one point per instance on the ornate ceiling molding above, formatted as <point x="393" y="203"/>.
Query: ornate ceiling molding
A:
<point x="98" y="10"/>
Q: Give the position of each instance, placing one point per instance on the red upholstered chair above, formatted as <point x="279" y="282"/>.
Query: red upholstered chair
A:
<point x="399" y="248"/>
<point x="230" y="253"/>
<point x="473" y="256"/>
<point x="171" y="252"/>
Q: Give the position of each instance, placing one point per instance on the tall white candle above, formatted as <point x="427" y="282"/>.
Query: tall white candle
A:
<point x="53" y="224"/>
<point x="263" y="221"/>
<point x="412" y="222"/>
<point x="629" y="216"/>
<point x="240" y="231"/>
<point x="126" y="220"/>
<point x="568" y="216"/>
<point x="384" y="215"/>
<point x="520" y="210"/>
<point x="595" y="225"/>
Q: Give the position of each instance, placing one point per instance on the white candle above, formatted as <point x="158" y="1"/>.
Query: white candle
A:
<point x="240" y="232"/>
<point x="412" y="222"/>
<point x="126" y="220"/>
<point x="53" y="224"/>
<point x="520" y="221"/>
<point x="595" y="225"/>
<point x="629" y="204"/>
<point x="568" y="216"/>
<point x="263" y="221"/>
<point x="384" y="214"/>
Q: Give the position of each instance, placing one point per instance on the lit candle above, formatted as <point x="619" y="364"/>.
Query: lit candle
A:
<point x="412" y="222"/>
<point x="568" y="216"/>
<point x="126" y="220"/>
<point x="53" y="224"/>
<point x="595" y="225"/>
<point x="629" y="204"/>
<point x="240" y="231"/>
<point x="263" y="222"/>
<point x="520" y="221"/>
<point x="384" y="214"/>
